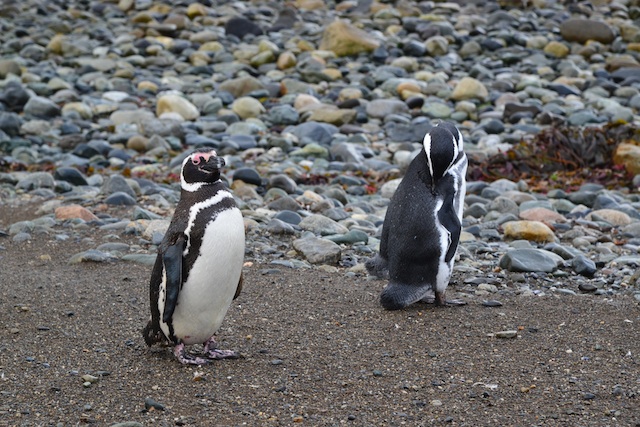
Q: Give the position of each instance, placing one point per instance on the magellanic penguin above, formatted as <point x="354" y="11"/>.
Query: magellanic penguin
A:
<point x="198" y="270"/>
<point x="422" y="226"/>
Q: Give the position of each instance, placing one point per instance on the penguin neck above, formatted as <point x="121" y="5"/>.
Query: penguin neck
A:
<point x="187" y="188"/>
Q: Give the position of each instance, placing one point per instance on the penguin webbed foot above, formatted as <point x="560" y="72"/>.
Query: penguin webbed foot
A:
<point x="186" y="358"/>
<point x="212" y="352"/>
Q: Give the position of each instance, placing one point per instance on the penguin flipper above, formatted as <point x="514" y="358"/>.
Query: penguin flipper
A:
<point x="172" y="261"/>
<point x="239" y="288"/>
<point x="448" y="217"/>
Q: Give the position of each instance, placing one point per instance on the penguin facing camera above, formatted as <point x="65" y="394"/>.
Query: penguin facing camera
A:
<point x="421" y="229"/>
<point x="198" y="270"/>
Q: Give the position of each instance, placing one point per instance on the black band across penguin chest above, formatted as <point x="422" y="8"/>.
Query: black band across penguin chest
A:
<point x="201" y="214"/>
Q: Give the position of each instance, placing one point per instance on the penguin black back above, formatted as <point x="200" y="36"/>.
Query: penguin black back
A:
<point x="422" y="225"/>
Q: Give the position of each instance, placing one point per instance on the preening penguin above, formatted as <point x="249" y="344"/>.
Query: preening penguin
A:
<point x="198" y="270"/>
<point x="421" y="229"/>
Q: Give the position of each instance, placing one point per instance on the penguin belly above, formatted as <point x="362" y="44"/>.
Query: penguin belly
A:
<point x="213" y="279"/>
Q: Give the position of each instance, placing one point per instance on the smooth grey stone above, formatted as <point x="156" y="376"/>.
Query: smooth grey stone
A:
<point x="587" y="287"/>
<point x="530" y="260"/>
<point x="195" y="140"/>
<point x="277" y="226"/>
<point x="628" y="260"/>
<point x="14" y="96"/>
<point x="492" y="303"/>
<point x="583" y="266"/>
<point x="632" y="230"/>
<point x="347" y="152"/>
<point x="318" y="250"/>
<point x="320" y="224"/>
<point x="582" y="118"/>
<point x="92" y="255"/>
<point x="127" y="424"/>
<point x="140" y="213"/>
<point x="336" y="193"/>
<point x="476" y="187"/>
<point x="145" y="259"/>
<point x="289" y="217"/>
<point x="490" y="235"/>
<point x="120" y="198"/>
<point x="70" y="175"/>
<point x="21" y="237"/>
<point x="566" y="252"/>
<point x="476" y="210"/>
<point x="284" y="203"/>
<point x="36" y="180"/>
<point x="284" y="182"/>
<point x="42" y="108"/>
<point x="586" y="198"/>
<point x="248" y="175"/>
<point x="336" y="214"/>
<point x="117" y="184"/>
<point x="284" y="115"/>
<point x="243" y="142"/>
<point x="113" y="247"/>
<point x="491" y="193"/>
<point x="308" y="132"/>
<point x="353" y="236"/>
<point x="521" y="244"/>
<point x="504" y="205"/>
<point x="562" y="206"/>
<point x="10" y="123"/>
<point x="530" y="204"/>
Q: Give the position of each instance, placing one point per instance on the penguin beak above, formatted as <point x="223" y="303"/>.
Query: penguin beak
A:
<point x="212" y="164"/>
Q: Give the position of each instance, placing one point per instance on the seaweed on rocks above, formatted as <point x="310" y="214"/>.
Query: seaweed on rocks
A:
<point x="563" y="157"/>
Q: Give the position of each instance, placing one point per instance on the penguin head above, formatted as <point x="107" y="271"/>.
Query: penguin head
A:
<point x="199" y="168"/>
<point x="441" y="148"/>
<point x="455" y="132"/>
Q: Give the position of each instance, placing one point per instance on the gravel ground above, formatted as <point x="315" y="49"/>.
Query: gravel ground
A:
<point x="317" y="347"/>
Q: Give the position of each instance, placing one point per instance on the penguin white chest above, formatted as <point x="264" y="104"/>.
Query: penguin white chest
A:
<point x="212" y="281"/>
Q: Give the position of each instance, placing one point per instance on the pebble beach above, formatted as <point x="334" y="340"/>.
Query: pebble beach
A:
<point x="318" y="107"/>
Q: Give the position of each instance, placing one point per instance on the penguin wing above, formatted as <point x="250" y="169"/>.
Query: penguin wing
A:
<point x="448" y="217"/>
<point x="172" y="262"/>
<point x="239" y="288"/>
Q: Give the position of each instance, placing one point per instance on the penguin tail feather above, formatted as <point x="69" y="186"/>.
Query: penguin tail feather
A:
<point x="396" y="296"/>
<point x="377" y="266"/>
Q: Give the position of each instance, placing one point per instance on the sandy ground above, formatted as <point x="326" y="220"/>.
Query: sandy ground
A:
<point x="318" y="350"/>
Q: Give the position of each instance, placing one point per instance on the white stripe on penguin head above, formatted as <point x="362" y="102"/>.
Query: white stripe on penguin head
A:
<point x="427" y="149"/>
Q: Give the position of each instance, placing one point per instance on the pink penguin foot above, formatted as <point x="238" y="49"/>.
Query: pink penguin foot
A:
<point x="188" y="359"/>
<point x="211" y="351"/>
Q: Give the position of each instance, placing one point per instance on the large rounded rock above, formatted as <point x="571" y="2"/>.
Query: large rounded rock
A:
<point x="529" y="230"/>
<point x="317" y="250"/>
<point x="9" y="66"/>
<point x="172" y="103"/>
<point x="241" y="27"/>
<point x="628" y="155"/>
<point x="42" y="108"/>
<point x="469" y="88"/>
<point x="582" y="30"/>
<point x="247" y="107"/>
<point x="381" y="108"/>
<point x="241" y="86"/>
<point x="344" y="39"/>
<point x="530" y="260"/>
